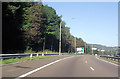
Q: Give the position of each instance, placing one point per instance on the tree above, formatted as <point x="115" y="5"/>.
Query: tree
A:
<point x="34" y="25"/>
<point x="12" y="21"/>
<point x="52" y="28"/>
<point x="88" y="50"/>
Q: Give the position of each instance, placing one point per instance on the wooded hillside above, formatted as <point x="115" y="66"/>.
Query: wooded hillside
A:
<point x="27" y="25"/>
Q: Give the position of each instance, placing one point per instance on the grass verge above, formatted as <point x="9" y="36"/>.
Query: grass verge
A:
<point x="109" y="60"/>
<point x="13" y="60"/>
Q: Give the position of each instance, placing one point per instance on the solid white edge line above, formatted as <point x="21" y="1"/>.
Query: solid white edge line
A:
<point x="107" y="61"/>
<point x="35" y="70"/>
<point x="92" y="68"/>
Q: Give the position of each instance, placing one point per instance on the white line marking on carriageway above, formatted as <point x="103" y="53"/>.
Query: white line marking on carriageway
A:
<point x="85" y="61"/>
<point x="107" y="61"/>
<point x="35" y="70"/>
<point x="92" y="68"/>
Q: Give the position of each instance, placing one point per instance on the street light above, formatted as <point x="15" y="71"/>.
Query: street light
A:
<point x="60" y="40"/>
<point x="75" y="45"/>
<point x="85" y="49"/>
<point x="92" y="49"/>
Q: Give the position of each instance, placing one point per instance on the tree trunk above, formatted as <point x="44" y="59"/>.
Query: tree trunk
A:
<point x="44" y="45"/>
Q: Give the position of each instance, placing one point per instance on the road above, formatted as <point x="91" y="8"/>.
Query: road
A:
<point x="74" y="66"/>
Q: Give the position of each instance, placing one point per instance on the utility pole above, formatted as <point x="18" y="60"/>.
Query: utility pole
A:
<point x="60" y="40"/>
<point x="92" y="49"/>
<point x="103" y="51"/>
<point x="75" y="45"/>
<point x="85" y="48"/>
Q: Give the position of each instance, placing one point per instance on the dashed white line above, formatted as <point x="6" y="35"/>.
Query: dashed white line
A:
<point x="85" y="61"/>
<point x="35" y="70"/>
<point x="92" y="68"/>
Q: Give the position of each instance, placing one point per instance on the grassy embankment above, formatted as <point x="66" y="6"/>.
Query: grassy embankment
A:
<point x="109" y="60"/>
<point x="13" y="60"/>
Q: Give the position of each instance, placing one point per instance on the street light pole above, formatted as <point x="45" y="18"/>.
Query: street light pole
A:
<point x="85" y="48"/>
<point x="75" y="45"/>
<point x="92" y="49"/>
<point x="60" y="40"/>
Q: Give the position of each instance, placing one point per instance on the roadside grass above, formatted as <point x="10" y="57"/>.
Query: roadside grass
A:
<point x="13" y="60"/>
<point x="109" y="60"/>
<point x="87" y="54"/>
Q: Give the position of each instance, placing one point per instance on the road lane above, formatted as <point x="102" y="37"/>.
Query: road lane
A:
<point x="102" y="68"/>
<point x="77" y="66"/>
<point x="38" y="69"/>
<point x="15" y="70"/>
<point x="66" y="68"/>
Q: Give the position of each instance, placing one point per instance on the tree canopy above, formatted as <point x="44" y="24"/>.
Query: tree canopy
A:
<point x="34" y="25"/>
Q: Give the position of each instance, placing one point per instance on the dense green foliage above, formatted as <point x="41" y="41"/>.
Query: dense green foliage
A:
<point x="36" y="26"/>
<point x="12" y="20"/>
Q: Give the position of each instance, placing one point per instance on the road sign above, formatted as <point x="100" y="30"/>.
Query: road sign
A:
<point x="80" y="50"/>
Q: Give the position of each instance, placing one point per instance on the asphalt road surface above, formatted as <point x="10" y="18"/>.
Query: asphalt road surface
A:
<point x="73" y="66"/>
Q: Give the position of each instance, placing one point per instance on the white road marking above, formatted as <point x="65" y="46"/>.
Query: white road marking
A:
<point x="107" y="62"/>
<point x="85" y="61"/>
<point x="92" y="68"/>
<point x="35" y="70"/>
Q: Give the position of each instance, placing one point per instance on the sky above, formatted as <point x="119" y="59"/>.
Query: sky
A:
<point x="94" y="22"/>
